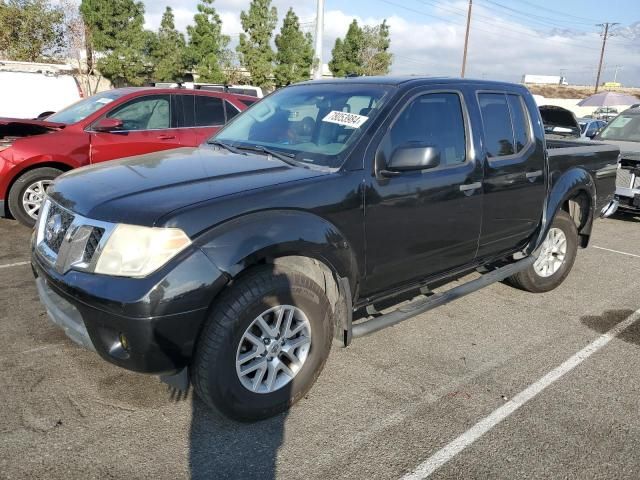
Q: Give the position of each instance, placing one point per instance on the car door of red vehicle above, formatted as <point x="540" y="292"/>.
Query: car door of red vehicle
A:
<point x="205" y="115"/>
<point x="149" y="125"/>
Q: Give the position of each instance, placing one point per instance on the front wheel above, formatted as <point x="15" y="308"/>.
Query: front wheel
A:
<point x="27" y="194"/>
<point x="263" y="345"/>
<point x="555" y="257"/>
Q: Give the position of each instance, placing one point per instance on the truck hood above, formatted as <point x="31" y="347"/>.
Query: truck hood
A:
<point x="139" y="190"/>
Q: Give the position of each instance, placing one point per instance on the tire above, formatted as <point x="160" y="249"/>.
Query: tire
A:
<point x="532" y="279"/>
<point x="214" y="371"/>
<point x="39" y="176"/>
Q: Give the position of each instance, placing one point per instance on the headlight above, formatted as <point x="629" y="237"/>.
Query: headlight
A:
<point x="133" y="251"/>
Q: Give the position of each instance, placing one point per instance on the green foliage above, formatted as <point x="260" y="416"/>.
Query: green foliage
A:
<point x="115" y="29"/>
<point x="375" y="58"/>
<point x="294" y="56"/>
<point x="207" y="49"/>
<point x="169" y="50"/>
<point x="364" y="51"/>
<point x="31" y="30"/>
<point x="254" y="49"/>
<point x="346" y="53"/>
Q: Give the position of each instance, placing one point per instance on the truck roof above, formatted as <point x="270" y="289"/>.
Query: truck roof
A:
<point x="402" y="80"/>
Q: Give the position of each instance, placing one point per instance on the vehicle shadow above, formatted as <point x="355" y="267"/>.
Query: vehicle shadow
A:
<point x="626" y="217"/>
<point x="610" y="319"/>
<point x="221" y="448"/>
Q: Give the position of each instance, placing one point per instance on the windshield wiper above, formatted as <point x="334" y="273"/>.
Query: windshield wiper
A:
<point x="226" y="146"/>
<point x="285" y="157"/>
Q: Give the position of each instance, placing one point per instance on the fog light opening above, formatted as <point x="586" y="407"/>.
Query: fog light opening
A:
<point x="124" y="341"/>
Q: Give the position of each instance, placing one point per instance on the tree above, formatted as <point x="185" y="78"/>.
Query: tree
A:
<point x="364" y="51"/>
<point x="115" y="30"/>
<point x="256" y="54"/>
<point x="169" y="50"/>
<point x="31" y="30"/>
<point x="207" y="46"/>
<point x="375" y="58"/>
<point x="294" y="56"/>
<point x="346" y="53"/>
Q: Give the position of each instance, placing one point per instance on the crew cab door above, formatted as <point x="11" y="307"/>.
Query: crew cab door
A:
<point x="423" y="222"/>
<point x="148" y="126"/>
<point x="514" y="177"/>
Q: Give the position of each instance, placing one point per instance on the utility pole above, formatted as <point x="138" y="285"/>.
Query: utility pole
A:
<point x="604" y="43"/>
<point x="615" y="75"/>
<point x="466" y="40"/>
<point x="317" y="71"/>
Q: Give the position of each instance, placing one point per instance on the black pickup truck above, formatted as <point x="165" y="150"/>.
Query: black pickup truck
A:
<point x="237" y="264"/>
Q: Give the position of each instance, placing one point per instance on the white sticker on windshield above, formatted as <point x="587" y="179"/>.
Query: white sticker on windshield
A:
<point x="344" y="118"/>
<point x="104" y="100"/>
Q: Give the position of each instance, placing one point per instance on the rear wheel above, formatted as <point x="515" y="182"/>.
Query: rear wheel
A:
<point x="555" y="257"/>
<point x="264" y="344"/>
<point x="27" y="194"/>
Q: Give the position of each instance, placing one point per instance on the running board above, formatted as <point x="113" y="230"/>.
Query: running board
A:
<point x="425" y="304"/>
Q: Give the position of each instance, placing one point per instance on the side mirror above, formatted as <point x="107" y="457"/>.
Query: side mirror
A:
<point x="108" y="125"/>
<point x="412" y="157"/>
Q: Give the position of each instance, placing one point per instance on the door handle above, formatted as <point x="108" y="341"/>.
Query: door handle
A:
<point x="166" y="137"/>
<point x="533" y="175"/>
<point x="469" y="187"/>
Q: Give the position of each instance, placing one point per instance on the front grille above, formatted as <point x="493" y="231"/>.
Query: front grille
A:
<point x="623" y="178"/>
<point x="92" y="244"/>
<point x="55" y="227"/>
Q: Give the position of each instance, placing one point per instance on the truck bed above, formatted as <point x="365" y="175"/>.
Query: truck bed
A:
<point x="598" y="158"/>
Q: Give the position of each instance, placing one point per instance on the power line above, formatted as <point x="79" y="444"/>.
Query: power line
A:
<point x="565" y="14"/>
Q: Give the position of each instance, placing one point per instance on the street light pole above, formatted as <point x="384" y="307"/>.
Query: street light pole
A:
<point x="317" y="70"/>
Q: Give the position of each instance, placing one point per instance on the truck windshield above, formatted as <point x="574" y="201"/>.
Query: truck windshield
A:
<point x="82" y="109"/>
<point x="310" y="123"/>
<point x="623" y="128"/>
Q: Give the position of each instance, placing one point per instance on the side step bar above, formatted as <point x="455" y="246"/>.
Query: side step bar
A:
<point x="425" y="304"/>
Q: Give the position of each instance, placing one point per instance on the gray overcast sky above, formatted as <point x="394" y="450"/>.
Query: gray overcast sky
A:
<point x="508" y="37"/>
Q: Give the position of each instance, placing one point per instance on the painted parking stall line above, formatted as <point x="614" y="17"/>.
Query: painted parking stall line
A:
<point x="17" y="264"/>
<point x="617" y="251"/>
<point x="456" y="446"/>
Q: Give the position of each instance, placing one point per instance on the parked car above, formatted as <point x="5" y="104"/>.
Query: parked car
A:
<point x="36" y="94"/>
<point x="559" y="123"/>
<point x="624" y="132"/>
<point x="589" y="127"/>
<point x="113" y="124"/>
<point x="605" y="113"/>
<point x="235" y="263"/>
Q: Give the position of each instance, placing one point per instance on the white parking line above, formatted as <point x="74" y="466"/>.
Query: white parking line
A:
<point x="483" y="426"/>
<point x="617" y="251"/>
<point x="17" y="264"/>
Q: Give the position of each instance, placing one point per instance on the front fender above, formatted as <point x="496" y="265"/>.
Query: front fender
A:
<point x="566" y="186"/>
<point x="247" y="240"/>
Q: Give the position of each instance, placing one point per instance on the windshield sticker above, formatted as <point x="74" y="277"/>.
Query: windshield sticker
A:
<point x="346" y="119"/>
<point x="104" y="100"/>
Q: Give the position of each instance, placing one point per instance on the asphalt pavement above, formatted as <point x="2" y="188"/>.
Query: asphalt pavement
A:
<point x="445" y="388"/>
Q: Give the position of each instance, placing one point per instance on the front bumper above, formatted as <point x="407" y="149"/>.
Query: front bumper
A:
<point x="147" y="325"/>
<point x="629" y="198"/>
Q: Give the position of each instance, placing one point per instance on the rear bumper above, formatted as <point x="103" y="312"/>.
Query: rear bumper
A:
<point x="137" y="335"/>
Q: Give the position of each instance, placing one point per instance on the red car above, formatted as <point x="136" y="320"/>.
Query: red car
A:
<point x="109" y="125"/>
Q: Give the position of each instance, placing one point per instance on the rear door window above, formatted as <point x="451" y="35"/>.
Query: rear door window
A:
<point x="231" y="110"/>
<point x="505" y="122"/>
<point x="209" y="111"/>
<point x="496" y="120"/>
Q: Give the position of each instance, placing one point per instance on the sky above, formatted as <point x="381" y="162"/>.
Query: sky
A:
<point x="508" y="38"/>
